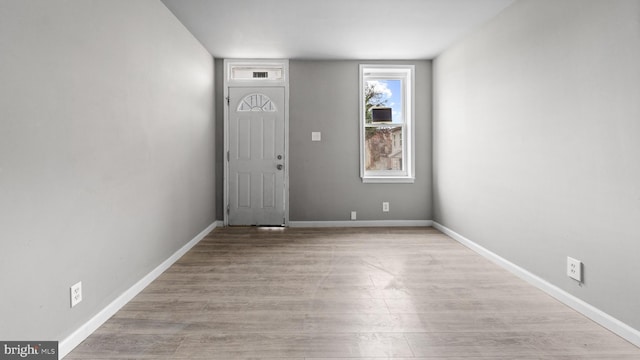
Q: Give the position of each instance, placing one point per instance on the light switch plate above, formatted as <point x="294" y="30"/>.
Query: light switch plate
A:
<point x="316" y="136"/>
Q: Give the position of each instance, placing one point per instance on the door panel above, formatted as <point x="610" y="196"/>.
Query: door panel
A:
<point x="256" y="156"/>
<point x="244" y="189"/>
<point x="268" y="190"/>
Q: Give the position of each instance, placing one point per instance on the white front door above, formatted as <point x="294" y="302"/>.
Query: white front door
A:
<point x="256" y="156"/>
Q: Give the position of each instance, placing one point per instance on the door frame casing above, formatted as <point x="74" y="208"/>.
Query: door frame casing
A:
<point x="251" y="83"/>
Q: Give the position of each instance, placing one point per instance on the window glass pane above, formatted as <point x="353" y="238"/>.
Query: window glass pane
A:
<point x="384" y="93"/>
<point x="383" y="148"/>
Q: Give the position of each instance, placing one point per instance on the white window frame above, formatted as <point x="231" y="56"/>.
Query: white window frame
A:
<point x="405" y="73"/>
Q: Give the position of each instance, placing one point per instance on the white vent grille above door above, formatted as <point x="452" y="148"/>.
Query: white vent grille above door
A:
<point x="260" y="73"/>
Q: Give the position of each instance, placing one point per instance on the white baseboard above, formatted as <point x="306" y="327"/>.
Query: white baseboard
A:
<point x="616" y="326"/>
<point x="78" y="336"/>
<point x="360" y="223"/>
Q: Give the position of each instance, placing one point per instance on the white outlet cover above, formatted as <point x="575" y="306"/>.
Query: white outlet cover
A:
<point x="574" y="269"/>
<point x="385" y="206"/>
<point x="76" y="293"/>
<point x="316" y="136"/>
<point x="353" y="215"/>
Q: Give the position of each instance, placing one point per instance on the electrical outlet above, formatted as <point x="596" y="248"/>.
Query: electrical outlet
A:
<point x="574" y="268"/>
<point x="385" y="206"/>
<point x="76" y="293"/>
<point x="353" y="215"/>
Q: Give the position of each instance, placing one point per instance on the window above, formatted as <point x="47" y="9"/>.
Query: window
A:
<point x="256" y="102"/>
<point x="386" y="123"/>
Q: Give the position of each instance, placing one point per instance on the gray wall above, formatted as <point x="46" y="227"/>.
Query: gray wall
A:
<point x="106" y="154"/>
<point x="537" y="144"/>
<point x="220" y="104"/>
<point x="325" y="179"/>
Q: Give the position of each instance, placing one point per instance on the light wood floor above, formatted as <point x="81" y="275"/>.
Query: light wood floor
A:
<point x="249" y="293"/>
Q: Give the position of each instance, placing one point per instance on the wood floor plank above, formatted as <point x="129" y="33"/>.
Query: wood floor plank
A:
<point x="335" y="293"/>
<point x="301" y="305"/>
<point x="546" y="344"/>
<point x="351" y="345"/>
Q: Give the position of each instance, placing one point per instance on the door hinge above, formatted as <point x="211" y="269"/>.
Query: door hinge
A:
<point x="228" y="209"/>
<point x="228" y="155"/>
<point x="228" y="100"/>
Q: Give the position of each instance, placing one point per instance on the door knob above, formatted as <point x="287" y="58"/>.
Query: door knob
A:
<point x="279" y="166"/>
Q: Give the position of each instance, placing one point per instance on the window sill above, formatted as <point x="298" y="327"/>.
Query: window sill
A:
<point x="388" y="180"/>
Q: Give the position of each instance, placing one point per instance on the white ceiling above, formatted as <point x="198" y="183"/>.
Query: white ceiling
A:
<point x="332" y="29"/>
